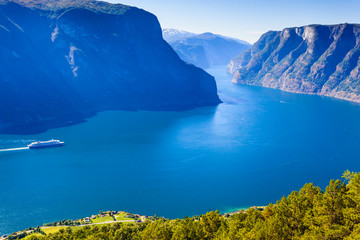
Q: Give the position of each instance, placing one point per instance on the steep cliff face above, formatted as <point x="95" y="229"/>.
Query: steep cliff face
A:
<point x="206" y="49"/>
<point x="315" y="59"/>
<point x="65" y="60"/>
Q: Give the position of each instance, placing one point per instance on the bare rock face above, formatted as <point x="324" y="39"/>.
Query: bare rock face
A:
<point x="314" y="59"/>
<point x="65" y="60"/>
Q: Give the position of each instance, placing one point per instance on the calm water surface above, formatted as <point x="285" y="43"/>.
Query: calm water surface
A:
<point x="257" y="146"/>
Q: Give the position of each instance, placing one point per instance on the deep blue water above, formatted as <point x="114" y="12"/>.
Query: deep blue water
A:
<point x="257" y="146"/>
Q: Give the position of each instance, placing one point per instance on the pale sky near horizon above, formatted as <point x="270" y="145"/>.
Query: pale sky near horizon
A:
<point x="247" y="19"/>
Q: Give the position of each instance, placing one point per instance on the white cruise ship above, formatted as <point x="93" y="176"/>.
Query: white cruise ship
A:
<point x="45" y="144"/>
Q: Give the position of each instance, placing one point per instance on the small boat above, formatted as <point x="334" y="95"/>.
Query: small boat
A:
<point x="45" y="144"/>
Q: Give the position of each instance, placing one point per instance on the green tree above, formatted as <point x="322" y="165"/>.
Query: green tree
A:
<point x="210" y="224"/>
<point x="329" y="208"/>
<point x="185" y="229"/>
<point x="159" y="229"/>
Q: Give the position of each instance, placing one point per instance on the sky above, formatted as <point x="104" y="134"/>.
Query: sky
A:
<point x="247" y="19"/>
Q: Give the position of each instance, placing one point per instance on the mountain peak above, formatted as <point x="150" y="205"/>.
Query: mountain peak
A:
<point x="171" y="34"/>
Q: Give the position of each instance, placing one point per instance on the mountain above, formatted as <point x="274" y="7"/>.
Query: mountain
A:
<point x="172" y="35"/>
<point x="194" y="54"/>
<point x="62" y="61"/>
<point x="235" y="39"/>
<point x="206" y="49"/>
<point x="315" y="59"/>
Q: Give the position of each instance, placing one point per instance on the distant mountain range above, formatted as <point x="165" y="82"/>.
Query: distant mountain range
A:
<point x="65" y="60"/>
<point x="206" y="49"/>
<point x="315" y="59"/>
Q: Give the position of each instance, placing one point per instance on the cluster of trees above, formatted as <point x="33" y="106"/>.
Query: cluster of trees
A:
<point x="63" y="223"/>
<point x="25" y="233"/>
<point x="17" y="236"/>
<point x="309" y="213"/>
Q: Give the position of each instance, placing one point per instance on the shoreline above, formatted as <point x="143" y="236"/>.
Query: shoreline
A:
<point x="118" y="216"/>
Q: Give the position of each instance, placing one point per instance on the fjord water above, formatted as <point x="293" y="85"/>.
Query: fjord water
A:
<point x="257" y="146"/>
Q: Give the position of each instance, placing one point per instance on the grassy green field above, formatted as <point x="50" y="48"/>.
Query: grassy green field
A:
<point x="102" y="219"/>
<point x="35" y="234"/>
<point x="48" y="230"/>
<point x="121" y="216"/>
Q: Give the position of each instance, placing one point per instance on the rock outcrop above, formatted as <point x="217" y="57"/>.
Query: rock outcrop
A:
<point x="65" y="60"/>
<point x="315" y="59"/>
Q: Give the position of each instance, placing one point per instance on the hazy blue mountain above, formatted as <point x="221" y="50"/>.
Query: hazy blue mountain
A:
<point x="206" y="49"/>
<point x="315" y="59"/>
<point x="64" y="60"/>
<point x="194" y="54"/>
<point x="172" y="35"/>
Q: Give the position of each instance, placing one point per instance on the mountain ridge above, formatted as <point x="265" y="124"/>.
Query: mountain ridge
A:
<point x="314" y="59"/>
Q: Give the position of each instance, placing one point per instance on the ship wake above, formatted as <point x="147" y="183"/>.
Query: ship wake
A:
<point x="13" y="149"/>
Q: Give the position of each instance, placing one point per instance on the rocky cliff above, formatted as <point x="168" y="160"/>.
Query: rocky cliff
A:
<point x="206" y="49"/>
<point x="315" y="59"/>
<point x="65" y="60"/>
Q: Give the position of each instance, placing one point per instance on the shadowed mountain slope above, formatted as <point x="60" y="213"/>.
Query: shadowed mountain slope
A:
<point x="62" y="61"/>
